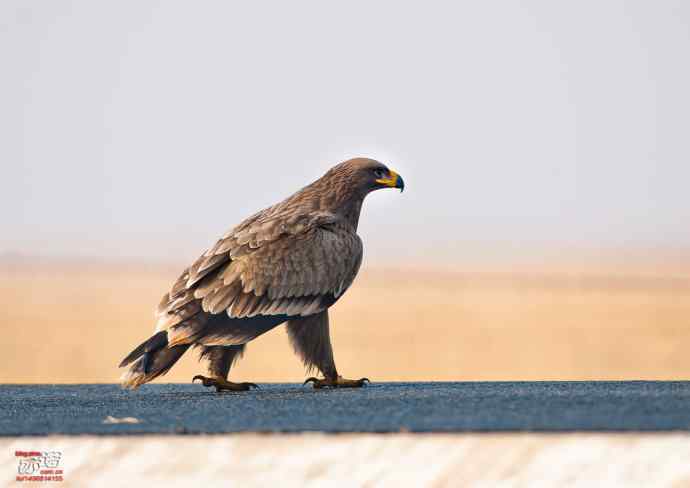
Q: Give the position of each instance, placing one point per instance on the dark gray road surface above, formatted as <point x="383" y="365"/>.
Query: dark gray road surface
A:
<point x="384" y="407"/>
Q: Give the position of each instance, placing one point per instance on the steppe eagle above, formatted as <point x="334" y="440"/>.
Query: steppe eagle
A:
<point x="287" y="263"/>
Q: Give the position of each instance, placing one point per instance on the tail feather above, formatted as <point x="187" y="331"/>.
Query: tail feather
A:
<point x="150" y="360"/>
<point x="156" y="341"/>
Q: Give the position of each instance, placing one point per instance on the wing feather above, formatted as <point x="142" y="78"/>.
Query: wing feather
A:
<point x="270" y="265"/>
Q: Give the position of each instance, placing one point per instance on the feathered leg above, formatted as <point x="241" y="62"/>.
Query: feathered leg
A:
<point x="219" y="360"/>
<point x="311" y="340"/>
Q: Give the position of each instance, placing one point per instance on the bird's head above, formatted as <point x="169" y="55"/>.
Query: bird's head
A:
<point x="365" y="175"/>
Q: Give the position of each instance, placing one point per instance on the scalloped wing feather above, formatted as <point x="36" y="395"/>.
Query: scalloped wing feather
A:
<point x="294" y="265"/>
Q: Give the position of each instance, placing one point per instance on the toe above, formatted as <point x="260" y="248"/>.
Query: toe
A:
<point x="228" y="386"/>
<point x="352" y="383"/>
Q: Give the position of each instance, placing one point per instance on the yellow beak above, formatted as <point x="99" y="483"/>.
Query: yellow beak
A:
<point x="394" y="180"/>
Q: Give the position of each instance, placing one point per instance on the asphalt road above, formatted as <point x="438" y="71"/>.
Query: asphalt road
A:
<point x="383" y="407"/>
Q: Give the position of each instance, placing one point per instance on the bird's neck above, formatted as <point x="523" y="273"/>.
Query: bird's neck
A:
<point x="336" y="199"/>
<point x="350" y="211"/>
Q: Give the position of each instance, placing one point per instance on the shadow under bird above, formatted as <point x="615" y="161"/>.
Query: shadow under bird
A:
<point x="287" y="263"/>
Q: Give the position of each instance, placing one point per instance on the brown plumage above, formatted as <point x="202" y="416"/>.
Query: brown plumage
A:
<point x="287" y="263"/>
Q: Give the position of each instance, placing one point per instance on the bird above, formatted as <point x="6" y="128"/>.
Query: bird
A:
<point x="288" y="263"/>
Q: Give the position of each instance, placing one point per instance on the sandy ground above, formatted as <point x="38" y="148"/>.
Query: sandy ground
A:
<point x="74" y="322"/>
<point x="484" y="460"/>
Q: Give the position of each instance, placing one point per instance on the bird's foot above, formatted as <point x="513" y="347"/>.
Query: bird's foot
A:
<point x="223" y="384"/>
<point x="337" y="382"/>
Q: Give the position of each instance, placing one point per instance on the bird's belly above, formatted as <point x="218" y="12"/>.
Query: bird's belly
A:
<point x="221" y="330"/>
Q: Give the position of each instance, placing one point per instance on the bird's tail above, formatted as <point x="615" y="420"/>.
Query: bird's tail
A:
<point x="152" y="358"/>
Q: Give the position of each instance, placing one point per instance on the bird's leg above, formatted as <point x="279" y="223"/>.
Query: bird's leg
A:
<point x="220" y="358"/>
<point x="310" y="337"/>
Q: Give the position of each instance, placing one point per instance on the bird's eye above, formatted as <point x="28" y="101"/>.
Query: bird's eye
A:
<point x="379" y="173"/>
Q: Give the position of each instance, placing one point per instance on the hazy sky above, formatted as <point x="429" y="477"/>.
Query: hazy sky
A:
<point x="149" y="128"/>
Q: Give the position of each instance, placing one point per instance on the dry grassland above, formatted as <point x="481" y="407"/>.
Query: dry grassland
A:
<point x="72" y="323"/>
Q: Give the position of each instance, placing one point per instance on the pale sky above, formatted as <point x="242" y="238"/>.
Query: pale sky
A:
<point x="147" y="129"/>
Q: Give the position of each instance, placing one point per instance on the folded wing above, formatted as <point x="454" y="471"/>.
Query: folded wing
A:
<point x="277" y="266"/>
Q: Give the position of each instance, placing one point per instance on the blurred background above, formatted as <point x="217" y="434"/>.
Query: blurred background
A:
<point x="543" y="233"/>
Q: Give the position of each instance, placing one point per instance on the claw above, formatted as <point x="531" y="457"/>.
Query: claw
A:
<point x="338" y="382"/>
<point x="222" y="384"/>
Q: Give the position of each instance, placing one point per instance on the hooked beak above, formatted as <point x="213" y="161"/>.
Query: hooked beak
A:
<point x="394" y="180"/>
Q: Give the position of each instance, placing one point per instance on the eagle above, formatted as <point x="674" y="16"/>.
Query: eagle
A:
<point x="288" y="263"/>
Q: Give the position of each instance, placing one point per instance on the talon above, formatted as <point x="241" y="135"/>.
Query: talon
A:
<point x="337" y="382"/>
<point x="222" y="384"/>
